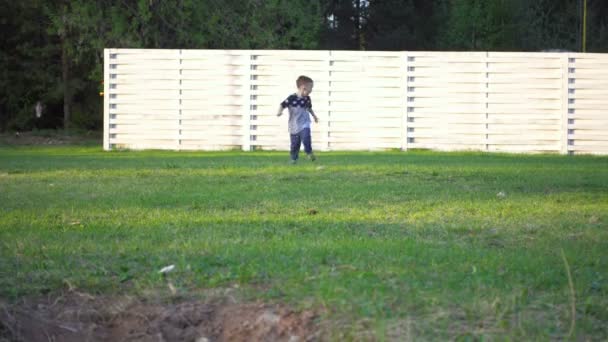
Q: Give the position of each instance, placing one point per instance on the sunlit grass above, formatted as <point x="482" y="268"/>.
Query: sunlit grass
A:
<point x="434" y="245"/>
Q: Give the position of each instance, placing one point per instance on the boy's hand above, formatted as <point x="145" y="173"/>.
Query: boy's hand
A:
<point x="316" y="120"/>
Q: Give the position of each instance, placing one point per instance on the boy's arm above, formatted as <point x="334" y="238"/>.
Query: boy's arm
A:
<point x="313" y="114"/>
<point x="280" y="111"/>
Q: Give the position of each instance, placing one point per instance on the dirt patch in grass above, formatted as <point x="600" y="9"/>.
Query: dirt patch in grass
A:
<point x="82" y="317"/>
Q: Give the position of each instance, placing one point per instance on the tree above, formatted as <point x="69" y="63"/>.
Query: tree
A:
<point x="284" y="25"/>
<point x="482" y="25"/>
<point x="597" y="27"/>
<point x="405" y="24"/>
<point x="27" y="70"/>
<point x="549" y="24"/>
<point x="345" y="24"/>
<point x="51" y="51"/>
<point x="74" y="28"/>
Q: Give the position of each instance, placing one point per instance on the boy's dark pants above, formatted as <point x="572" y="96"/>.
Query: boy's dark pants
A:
<point x="302" y="137"/>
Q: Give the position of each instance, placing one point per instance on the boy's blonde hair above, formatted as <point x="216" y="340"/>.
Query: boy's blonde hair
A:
<point x="303" y="80"/>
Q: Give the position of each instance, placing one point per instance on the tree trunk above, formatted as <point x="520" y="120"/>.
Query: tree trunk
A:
<point x="67" y="92"/>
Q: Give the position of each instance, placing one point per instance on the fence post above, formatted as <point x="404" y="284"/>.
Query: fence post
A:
<point x="564" y="105"/>
<point x="486" y="136"/>
<point x="570" y="133"/>
<point x="404" y="108"/>
<point x="410" y="136"/>
<point x="106" y="99"/>
<point x="247" y="110"/>
<point x="179" y="103"/>
<point x="328" y="65"/>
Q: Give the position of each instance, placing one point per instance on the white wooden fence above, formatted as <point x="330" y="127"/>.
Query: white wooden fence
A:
<point x="486" y="101"/>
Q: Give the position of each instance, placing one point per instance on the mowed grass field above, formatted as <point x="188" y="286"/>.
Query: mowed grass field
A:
<point x="388" y="245"/>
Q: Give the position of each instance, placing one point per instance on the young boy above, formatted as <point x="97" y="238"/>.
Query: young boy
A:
<point x="300" y="109"/>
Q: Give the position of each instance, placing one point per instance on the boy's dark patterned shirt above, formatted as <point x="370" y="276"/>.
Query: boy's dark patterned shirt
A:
<point x="299" y="115"/>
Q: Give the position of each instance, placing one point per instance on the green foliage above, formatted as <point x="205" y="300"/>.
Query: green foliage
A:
<point x="52" y="51"/>
<point x="597" y="40"/>
<point x="405" y="24"/>
<point x="388" y="243"/>
<point x="503" y="25"/>
<point x="42" y="32"/>
<point x="482" y="25"/>
<point x="518" y="25"/>
<point x="551" y="25"/>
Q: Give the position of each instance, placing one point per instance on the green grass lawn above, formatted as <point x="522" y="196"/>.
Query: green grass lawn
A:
<point x="418" y="244"/>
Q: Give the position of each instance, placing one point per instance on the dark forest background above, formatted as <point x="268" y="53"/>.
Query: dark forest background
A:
<point x="51" y="51"/>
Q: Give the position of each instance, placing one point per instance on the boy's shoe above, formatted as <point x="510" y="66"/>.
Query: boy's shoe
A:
<point x="293" y="161"/>
<point x="312" y="157"/>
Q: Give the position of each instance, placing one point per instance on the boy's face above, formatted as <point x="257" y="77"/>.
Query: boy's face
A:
<point x="305" y="89"/>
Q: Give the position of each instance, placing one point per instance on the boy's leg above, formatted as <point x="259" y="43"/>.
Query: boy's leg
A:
<point x="307" y="141"/>
<point x="295" y="146"/>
